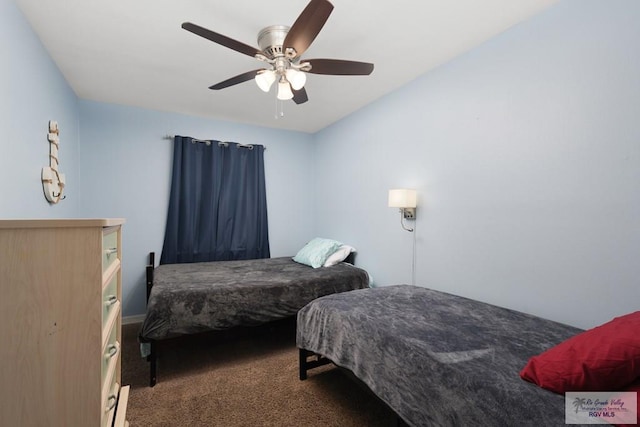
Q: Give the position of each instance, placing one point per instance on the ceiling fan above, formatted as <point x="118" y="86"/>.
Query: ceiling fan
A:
<point x="281" y="47"/>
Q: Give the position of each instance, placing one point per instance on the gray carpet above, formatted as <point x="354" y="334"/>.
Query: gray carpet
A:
<point x="246" y="377"/>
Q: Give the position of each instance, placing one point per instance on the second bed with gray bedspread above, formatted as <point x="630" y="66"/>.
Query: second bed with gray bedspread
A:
<point x="437" y="359"/>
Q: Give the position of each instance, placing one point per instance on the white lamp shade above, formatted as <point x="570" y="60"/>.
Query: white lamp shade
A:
<point x="296" y="78"/>
<point x="265" y="79"/>
<point x="402" y="198"/>
<point x="284" y="90"/>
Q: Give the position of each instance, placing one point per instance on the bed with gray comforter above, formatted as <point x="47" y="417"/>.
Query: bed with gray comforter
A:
<point x="198" y="297"/>
<point x="191" y="298"/>
<point x="434" y="358"/>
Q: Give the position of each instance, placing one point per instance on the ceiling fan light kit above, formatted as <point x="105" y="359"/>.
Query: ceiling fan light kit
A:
<point x="284" y="89"/>
<point x="296" y="78"/>
<point x="281" y="47"/>
<point x="265" y="78"/>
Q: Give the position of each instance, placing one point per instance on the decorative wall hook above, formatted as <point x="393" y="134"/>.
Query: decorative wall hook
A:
<point x="52" y="179"/>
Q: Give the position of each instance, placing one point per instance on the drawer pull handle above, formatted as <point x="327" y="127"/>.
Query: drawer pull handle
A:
<point x="112" y="350"/>
<point x="111" y="402"/>
<point x="110" y="251"/>
<point x="111" y="299"/>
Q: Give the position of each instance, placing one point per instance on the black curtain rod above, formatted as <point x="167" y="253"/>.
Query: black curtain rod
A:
<point x="223" y="143"/>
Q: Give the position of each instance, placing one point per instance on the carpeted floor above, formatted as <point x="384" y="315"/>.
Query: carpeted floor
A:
<point x="247" y="377"/>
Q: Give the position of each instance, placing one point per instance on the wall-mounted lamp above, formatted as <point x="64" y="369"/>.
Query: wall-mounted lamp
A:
<point x="405" y="199"/>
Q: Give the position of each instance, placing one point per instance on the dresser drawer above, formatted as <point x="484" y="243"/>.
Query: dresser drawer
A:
<point x="115" y="407"/>
<point x="110" y="354"/>
<point x="110" y="404"/>
<point x="109" y="298"/>
<point x="121" y="409"/>
<point x="109" y="248"/>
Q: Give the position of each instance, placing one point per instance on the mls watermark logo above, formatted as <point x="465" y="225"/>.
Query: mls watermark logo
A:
<point x="600" y="407"/>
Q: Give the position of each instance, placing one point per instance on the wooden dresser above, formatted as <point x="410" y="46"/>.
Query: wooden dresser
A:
<point x="60" y="323"/>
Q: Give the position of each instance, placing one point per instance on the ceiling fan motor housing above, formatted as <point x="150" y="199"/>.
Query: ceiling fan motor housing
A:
<point x="271" y="39"/>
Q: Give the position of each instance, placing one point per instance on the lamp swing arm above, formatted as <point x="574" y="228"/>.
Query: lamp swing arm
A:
<point x="405" y="214"/>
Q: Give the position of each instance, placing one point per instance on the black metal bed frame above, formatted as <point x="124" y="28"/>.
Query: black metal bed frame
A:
<point x="152" y="358"/>
<point x="310" y="360"/>
<point x="305" y="364"/>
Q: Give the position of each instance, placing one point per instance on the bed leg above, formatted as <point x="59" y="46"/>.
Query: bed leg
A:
<point x="153" y="357"/>
<point x="149" y="276"/>
<point x="303" y="363"/>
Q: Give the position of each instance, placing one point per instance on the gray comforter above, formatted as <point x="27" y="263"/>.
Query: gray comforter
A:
<point x="437" y="359"/>
<point x="198" y="297"/>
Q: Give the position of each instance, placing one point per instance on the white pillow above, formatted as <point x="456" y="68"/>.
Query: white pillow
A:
<point x="339" y="255"/>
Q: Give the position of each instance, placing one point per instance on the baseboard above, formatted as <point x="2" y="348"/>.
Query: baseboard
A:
<point x="133" y="319"/>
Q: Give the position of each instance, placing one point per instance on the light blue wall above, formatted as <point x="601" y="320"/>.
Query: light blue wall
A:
<point x="32" y="92"/>
<point x="115" y="159"/>
<point x="525" y="153"/>
<point x="526" y="156"/>
<point x="126" y="172"/>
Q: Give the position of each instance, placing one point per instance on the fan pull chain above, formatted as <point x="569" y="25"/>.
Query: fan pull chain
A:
<point x="279" y="109"/>
<point x="275" y="116"/>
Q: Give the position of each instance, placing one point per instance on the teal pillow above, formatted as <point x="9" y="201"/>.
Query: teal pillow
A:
<point x="316" y="252"/>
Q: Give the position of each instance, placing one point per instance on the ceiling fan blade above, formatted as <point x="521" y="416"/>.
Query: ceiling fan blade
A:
<point x="240" y="78"/>
<point x="300" y="96"/>
<point x="339" y="67"/>
<point x="307" y="26"/>
<point x="222" y="40"/>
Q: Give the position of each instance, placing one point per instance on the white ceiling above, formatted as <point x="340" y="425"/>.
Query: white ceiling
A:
<point x="134" y="52"/>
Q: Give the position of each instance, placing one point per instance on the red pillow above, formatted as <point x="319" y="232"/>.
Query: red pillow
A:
<point x="605" y="358"/>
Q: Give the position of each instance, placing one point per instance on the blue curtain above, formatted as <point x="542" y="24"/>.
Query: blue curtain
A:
<point x="217" y="205"/>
